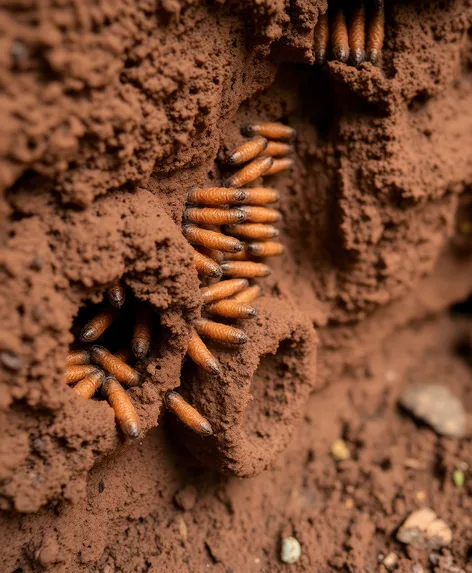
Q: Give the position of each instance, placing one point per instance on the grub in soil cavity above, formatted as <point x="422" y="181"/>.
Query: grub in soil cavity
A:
<point x="110" y="114"/>
<point x="350" y="32"/>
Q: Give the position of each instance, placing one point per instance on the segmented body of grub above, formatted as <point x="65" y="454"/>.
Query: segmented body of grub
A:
<point x="350" y="32"/>
<point x="231" y="228"/>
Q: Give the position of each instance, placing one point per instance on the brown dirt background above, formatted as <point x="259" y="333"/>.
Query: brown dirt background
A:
<point x="109" y="112"/>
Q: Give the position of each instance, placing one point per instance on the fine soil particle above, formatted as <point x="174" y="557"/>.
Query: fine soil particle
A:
<point x="110" y="113"/>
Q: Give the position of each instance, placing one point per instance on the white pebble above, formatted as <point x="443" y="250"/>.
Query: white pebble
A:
<point x="291" y="550"/>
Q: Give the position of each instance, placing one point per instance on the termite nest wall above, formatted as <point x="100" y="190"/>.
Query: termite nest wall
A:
<point x="112" y="113"/>
<point x="264" y="387"/>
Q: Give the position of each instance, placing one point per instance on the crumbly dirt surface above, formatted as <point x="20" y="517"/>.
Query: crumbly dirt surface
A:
<point x="109" y="113"/>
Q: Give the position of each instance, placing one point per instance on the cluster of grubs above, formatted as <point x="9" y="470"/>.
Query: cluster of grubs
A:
<point x="93" y="367"/>
<point x="231" y="229"/>
<point x="350" y="34"/>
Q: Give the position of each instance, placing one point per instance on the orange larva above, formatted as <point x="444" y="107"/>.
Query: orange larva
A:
<point x="247" y="151"/>
<point x="211" y="239"/>
<point x="223" y="289"/>
<point x="206" y="266"/>
<point x="115" y="366"/>
<point x="260" y="196"/>
<point x="77" y="372"/>
<point x="124" y="354"/>
<point x="270" y="130"/>
<point x="245" y="269"/>
<point x="77" y="357"/>
<point x="116" y="295"/>
<point x="212" y="216"/>
<point x="278" y="149"/>
<point x="187" y="414"/>
<point x="265" y="249"/>
<point x="357" y="34"/>
<point x="199" y="353"/>
<point x="228" y="308"/>
<point x="321" y="40"/>
<point x="256" y="231"/>
<point x="248" y="294"/>
<point x="260" y="214"/>
<point x="339" y="36"/>
<point x="142" y="333"/>
<point x="90" y="384"/>
<point x="242" y="256"/>
<point x="216" y="196"/>
<point x="280" y="165"/>
<point x="97" y="326"/>
<point x="125" y="412"/>
<point x="250" y="172"/>
<point x="375" y="32"/>
<point x="220" y="332"/>
<point x="217" y="256"/>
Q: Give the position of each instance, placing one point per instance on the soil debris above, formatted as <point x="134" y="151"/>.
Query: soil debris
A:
<point x="458" y="477"/>
<point x="438" y="407"/>
<point x="291" y="550"/>
<point x="340" y="451"/>
<point x="390" y="561"/>
<point x="186" y="497"/>
<point x="423" y="529"/>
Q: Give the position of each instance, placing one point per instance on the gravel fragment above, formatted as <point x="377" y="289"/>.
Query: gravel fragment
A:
<point x="390" y="561"/>
<point x="291" y="550"/>
<point x="438" y="407"/>
<point x="422" y="529"/>
<point x="10" y="360"/>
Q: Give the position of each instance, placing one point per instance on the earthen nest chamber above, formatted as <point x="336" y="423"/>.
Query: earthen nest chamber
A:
<point x="383" y="156"/>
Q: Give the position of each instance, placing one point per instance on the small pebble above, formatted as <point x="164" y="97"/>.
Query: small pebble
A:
<point x="417" y="568"/>
<point x="422" y="529"/>
<point x="438" y="407"/>
<point x="390" y="561"/>
<point x="19" y="52"/>
<point x="10" y="360"/>
<point x="458" y="478"/>
<point x="340" y="451"/>
<point x="291" y="550"/>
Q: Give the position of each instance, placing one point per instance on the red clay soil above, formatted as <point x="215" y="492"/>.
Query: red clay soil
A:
<point x="109" y="113"/>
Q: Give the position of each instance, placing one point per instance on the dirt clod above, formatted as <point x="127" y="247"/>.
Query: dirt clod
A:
<point x="186" y="497"/>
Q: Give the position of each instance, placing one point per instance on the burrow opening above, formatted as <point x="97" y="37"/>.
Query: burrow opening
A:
<point x="273" y="391"/>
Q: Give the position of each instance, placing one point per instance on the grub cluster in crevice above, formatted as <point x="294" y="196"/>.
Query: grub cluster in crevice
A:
<point x="231" y="229"/>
